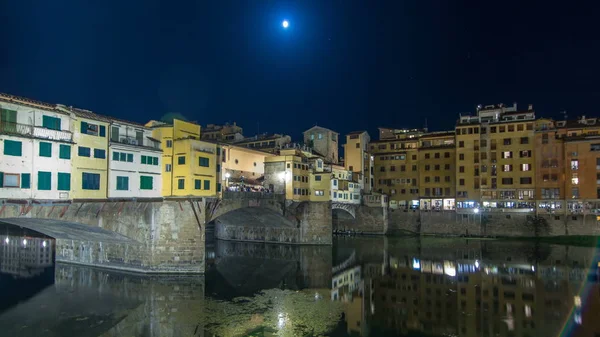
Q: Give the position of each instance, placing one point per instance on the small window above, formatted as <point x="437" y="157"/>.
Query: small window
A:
<point x="99" y="153"/>
<point x="130" y="157"/>
<point x="181" y="160"/>
<point x="51" y="122"/>
<point x="169" y="143"/>
<point x="317" y="178"/>
<point x="44" y="181"/>
<point x="203" y="161"/>
<point x="197" y="184"/>
<point x="181" y="183"/>
<point x="10" y="180"/>
<point x="64" y="181"/>
<point x="90" y="181"/>
<point x="207" y="184"/>
<point x="45" y="149"/>
<point x="146" y="183"/>
<point x="64" y="151"/>
<point x="83" y="151"/>
<point x="25" y="180"/>
<point x="12" y="148"/>
<point x="122" y="183"/>
<point x="168" y="168"/>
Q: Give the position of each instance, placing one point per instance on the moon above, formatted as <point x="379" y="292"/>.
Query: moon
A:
<point x="285" y="24"/>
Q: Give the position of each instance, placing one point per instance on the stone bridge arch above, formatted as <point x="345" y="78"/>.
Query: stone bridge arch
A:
<point x="349" y="208"/>
<point x="233" y="201"/>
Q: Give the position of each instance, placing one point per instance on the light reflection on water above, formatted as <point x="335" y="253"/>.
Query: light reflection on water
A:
<point x="378" y="286"/>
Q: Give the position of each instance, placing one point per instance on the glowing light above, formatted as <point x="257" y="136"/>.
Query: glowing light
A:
<point x="416" y="264"/>
<point x="577" y="301"/>
<point x="285" y="24"/>
<point x="227" y="175"/>
<point x="283" y="175"/>
<point x="281" y="321"/>
<point x="476" y="210"/>
<point x="6" y="240"/>
<point x="24" y="242"/>
<point x="44" y="244"/>
<point x="532" y="268"/>
<point x="476" y="263"/>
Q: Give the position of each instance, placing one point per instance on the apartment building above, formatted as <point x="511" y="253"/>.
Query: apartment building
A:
<point x="289" y="172"/>
<point x="323" y="141"/>
<point x="437" y="163"/>
<point x="358" y="159"/>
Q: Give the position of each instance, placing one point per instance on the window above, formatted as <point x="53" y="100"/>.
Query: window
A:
<point x="414" y="168"/>
<point x="12" y="148"/>
<point x="507" y="181"/>
<point x="146" y="183"/>
<point x="524" y="140"/>
<point x="64" y="181"/>
<point x="130" y="158"/>
<point x="393" y="168"/>
<point x="436" y="179"/>
<point x="93" y="129"/>
<point x="51" y="122"/>
<point x="100" y="154"/>
<point x="207" y="184"/>
<point x="90" y="181"/>
<point x="461" y="144"/>
<point x="25" y="180"/>
<point x="168" y="168"/>
<point x="122" y="183"/>
<point x="427" y="167"/>
<point x="44" y="181"/>
<point x="461" y="182"/>
<point x="181" y="160"/>
<point x="525" y="154"/>
<point x="169" y="143"/>
<point x="446" y="166"/>
<point x="320" y="136"/>
<point x="317" y="178"/>
<point x="8" y="116"/>
<point x="180" y="184"/>
<point x="203" y="161"/>
<point x="461" y="156"/>
<point x="197" y="184"/>
<point x="64" y="151"/>
<point x="9" y="180"/>
<point x="502" y="129"/>
<point x="507" y="154"/>
<point x="575" y="192"/>
<point x="525" y="167"/>
<point x="45" y="149"/>
<point x="414" y="157"/>
<point x="526" y="180"/>
<point x="461" y="169"/>
<point x="574" y="164"/>
<point x="319" y="193"/>
<point x="507" y="141"/>
<point x="436" y="155"/>
<point x="83" y="151"/>
<point x="506" y="168"/>
<point x="427" y="155"/>
<point x="427" y="179"/>
<point x="334" y="182"/>
<point x="574" y="179"/>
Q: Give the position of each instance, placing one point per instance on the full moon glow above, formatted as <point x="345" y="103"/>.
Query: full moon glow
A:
<point x="285" y="23"/>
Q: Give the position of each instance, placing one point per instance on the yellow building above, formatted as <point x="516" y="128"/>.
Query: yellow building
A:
<point x="437" y="186"/>
<point x="396" y="170"/>
<point x="495" y="161"/>
<point x="288" y="172"/>
<point x="320" y="180"/>
<point x="191" y="167"/>
<point x="242" y="164"/>
<point x="357" y="157"/>
<point x="90" y="165"/>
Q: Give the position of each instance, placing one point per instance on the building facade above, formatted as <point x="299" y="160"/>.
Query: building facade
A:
<point x="223" y="133"/>
<point x="288" y="172"/>
<point x="345" y="187"/>
<point x="265" y="142"/>
<point x="324" y="142"/>
<point x="437" y="185"/>
<point x="241" y="164"/>
<point x="36" y="145"/>
<point x="135" y="162"/>
<point x="358" y="159"/>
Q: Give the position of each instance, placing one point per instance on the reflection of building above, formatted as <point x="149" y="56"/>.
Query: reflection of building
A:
<point x="25" y="256"/>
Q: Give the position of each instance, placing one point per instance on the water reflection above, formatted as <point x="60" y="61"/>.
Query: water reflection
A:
<point x="358" y="287"/>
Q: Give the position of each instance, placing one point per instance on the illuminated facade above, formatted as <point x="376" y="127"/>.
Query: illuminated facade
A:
<point x="437" y="171"/>
<point x="288" y="172"/>
<point x="324" y="142"/>
<point x="358" y="159"/>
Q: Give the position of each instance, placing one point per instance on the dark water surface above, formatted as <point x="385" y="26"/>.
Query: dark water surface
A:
<point x="359" y="287"/>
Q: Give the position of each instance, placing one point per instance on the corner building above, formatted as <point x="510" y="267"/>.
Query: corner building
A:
<point x="437" y="187"/>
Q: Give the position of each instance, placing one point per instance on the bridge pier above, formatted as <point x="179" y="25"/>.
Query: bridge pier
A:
<point x="138" y="236"/>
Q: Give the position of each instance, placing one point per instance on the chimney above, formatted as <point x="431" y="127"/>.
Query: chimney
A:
<point x="530" y="107"/>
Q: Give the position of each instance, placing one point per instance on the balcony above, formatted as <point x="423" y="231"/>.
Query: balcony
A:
<point x="31" y="131"/>
<point x="154" y="144"/>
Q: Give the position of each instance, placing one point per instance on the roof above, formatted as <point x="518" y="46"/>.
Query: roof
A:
<point x="321" y="128"/>
<point x="438" y="134"/>
<point x="128" y="122"/>
<point x="28" y="102"/>
<point x="511" y="113"/>
<point x="357" y="132"/>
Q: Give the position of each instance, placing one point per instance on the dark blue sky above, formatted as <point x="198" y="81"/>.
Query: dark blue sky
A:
<point x="345" y="65"/>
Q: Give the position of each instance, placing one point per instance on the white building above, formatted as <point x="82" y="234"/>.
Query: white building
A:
<point x="36" y="145"/>
<point x="135" y="159"/>
<point x="345" y="186"/>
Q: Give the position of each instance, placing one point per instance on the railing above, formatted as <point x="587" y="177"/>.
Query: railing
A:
<point x="136" y="142"/>
<point x="232" y="195"/>
<point x="35" y="131"/>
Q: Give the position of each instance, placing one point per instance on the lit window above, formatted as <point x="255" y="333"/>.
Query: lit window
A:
<point x="575" y="179"/>
<point x="525" y="167"/>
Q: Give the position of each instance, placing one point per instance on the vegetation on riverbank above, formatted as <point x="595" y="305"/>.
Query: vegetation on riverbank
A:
<point x="571" y="240"/>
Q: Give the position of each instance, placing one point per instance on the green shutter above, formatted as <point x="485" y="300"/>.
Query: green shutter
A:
<point x="218" y="168"/>
<point x="198" y="184"/>
<point x="204" y="162"/>
<point x="99" y="153"/>
<point x="207" y="184"/>
<point x="64" y="151"/>
<point x="8" y="116"/>
<point x="44" y="182"/>
<point x="64" y="181"/>
<point x="102" y="131"/>
<point x="115" y="156"/>
<point x="218" y="187"/>
<point x="2" y="177"/>
<point x="51" y="122"/>
<point x="155" y="160"/>
<point x="25" y="180"/>
<point x="123" y="156"/>
<point x="130" y="157"/>
<point x="181" y="160"/>
<point x="218" y="151"/>
<point x="143" y="159"/>
<point x="181" y="184"/>
<point x="145" y="183"/>
<point x="12" y="148"/>
<point x="122" y="183"/>
<point x="84" y="128"/>
<point x="45" y="149"/>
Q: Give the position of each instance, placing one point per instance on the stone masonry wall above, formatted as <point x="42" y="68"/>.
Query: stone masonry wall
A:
<point x="167" y="234"/>
<point x="315" y="222"/>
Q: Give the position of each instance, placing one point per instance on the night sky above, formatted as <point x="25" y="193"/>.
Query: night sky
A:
<point x="345" y="65"/>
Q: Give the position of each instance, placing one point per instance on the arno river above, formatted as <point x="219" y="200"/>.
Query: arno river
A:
<point x="361" y="286"/>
